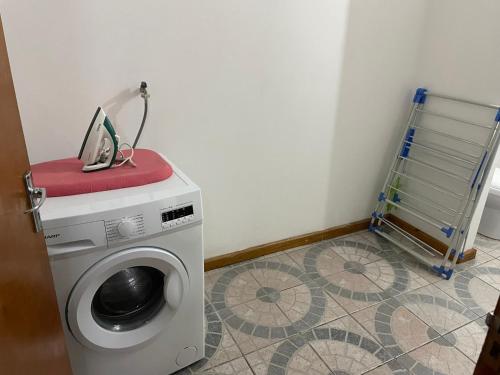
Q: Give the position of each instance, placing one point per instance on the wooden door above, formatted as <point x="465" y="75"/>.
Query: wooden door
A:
<point x="31" y="336"/>
<point x="489" y="359"/>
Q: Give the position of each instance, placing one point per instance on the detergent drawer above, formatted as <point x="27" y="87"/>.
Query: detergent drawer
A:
<point x="75" y="237"/>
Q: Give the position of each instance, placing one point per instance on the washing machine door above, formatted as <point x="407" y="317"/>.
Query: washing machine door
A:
<point x="127" y="298"/>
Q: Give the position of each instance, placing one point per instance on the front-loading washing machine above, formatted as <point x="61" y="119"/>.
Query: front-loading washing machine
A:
<point x="128" y="271"/>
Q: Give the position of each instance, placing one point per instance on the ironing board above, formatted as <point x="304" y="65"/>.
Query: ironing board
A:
<point x="65" y="177"/>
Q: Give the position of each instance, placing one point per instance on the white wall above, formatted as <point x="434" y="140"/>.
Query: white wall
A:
<point x="285" y="131"/>
<point x="378" y="80"/>
<point x="460" y="56"/>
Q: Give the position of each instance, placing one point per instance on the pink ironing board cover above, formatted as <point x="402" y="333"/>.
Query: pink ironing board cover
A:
<point x="65" y="176"/>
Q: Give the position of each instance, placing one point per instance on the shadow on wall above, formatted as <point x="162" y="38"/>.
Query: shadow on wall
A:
<point x="459" y="57"/>
<point x="378" y="80"/>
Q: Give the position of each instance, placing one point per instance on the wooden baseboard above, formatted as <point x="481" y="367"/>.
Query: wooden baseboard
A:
<point x="288" y="243"/>
<point x="435" y="243"/>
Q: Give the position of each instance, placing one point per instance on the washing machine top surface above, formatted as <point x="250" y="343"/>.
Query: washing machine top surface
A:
<point x="110" y="218"/>
<point x="74" y="209"/>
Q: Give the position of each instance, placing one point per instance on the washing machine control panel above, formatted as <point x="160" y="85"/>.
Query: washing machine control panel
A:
<point x="171" y="218"/>
<point x="124" y="217"/>
<point x="124" y="228"/>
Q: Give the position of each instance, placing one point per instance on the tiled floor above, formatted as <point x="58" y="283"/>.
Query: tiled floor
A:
<point x="354" y="305"/>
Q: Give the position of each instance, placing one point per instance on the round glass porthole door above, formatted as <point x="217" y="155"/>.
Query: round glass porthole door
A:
<point x="127" y="298"/>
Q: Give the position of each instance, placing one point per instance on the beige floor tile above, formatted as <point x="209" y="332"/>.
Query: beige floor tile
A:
<point x="294" y="249"/>
<point x="469" y="339"/>
<point x="349" y="324"/>
<point x="413" y="264"/>
<point x="488" y="245"/>
<point x="227" y="350"/>
<point x="473" y="292"/>
<point x="219" y="345"/>
<point x="437" y="309"/>
<point x="239" y="289"/>
<point x="259" y="312"/>
<point x="235" y="367"/>
<point x="348" y="348"/>
<point x="344" y="357"/>
<point x="211" y="278"/>
<point x="249" y="343"/>
<point x="393" y="277"/>
<point x="391" y="368"/>
<point x="298" y="303"/>
<point x="285" y="356"/>
<point x="275" y="278"/>
<point x="280" y="257"/>
<point x="490" y="273"/>
<point x="362" y="237"/>
<point x="395" y="327"/>
<point x="271" y="301"/>
<point x="438" y="356"/>
<point x="421" y="269"/>
<point x="481" y="258"/>
<point x="356" y="253"/>
<point x="353" y="291"/>
<point x="373" y="239"/>
<point x="327" y="262"/>
<point x="378" y="241"/>
<point x="251" y="324"/>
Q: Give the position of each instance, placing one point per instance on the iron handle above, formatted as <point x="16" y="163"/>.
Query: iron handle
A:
<point x="41" y="194"/>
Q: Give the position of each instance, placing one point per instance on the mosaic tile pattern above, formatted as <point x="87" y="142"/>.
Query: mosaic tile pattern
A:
<point x="356" y="252"/>
<point x="219" y="345"/>
<point x="354" y="305"/>
<point x="353" y="291"/>
<point x="390" y="368"/>
<point x="437" y="357"/>
<point x="325" y="261"/>
<point x="356" y="273"/>
<point x="469" y="339"/>
<point x="346" y="347"/>
<point x="410" y="262"/>
<point x="238" y="366"/>
<point x="341" y="347"/>
<point x="297" y="302"/>
<point x="393" y="277"/>
<point x="481" y="257"/>
<point x="279" y="278"/>
<point x="489" y="272"/>
<point x="488" y="245"/>
<point x="261" y="321"/>
<point x="437" y="309"/>
<point x="303" y="361"/>
<point x="395" y="327"/>
<point x="474" y="293"/>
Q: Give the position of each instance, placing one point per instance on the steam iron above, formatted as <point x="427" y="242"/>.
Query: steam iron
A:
<point x="100" y="144"/>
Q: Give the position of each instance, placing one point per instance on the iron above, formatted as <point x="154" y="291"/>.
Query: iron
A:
<point x="100" y="145"/>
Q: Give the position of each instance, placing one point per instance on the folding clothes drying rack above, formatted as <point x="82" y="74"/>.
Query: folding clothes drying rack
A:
<point x="436" y="176"/>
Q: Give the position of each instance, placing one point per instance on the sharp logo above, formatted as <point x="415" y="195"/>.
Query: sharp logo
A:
<point x="52" y="236"/>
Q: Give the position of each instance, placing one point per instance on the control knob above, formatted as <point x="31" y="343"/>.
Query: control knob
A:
<point x="127" y="228"/>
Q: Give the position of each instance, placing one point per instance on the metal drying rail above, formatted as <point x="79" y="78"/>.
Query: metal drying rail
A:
<point x="462" y="189"/>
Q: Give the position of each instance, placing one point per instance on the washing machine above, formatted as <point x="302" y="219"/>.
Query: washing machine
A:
<point x="128" y="272"/>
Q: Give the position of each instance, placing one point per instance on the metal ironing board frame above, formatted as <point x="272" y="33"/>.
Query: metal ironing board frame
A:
<point x="476" y="169"/>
